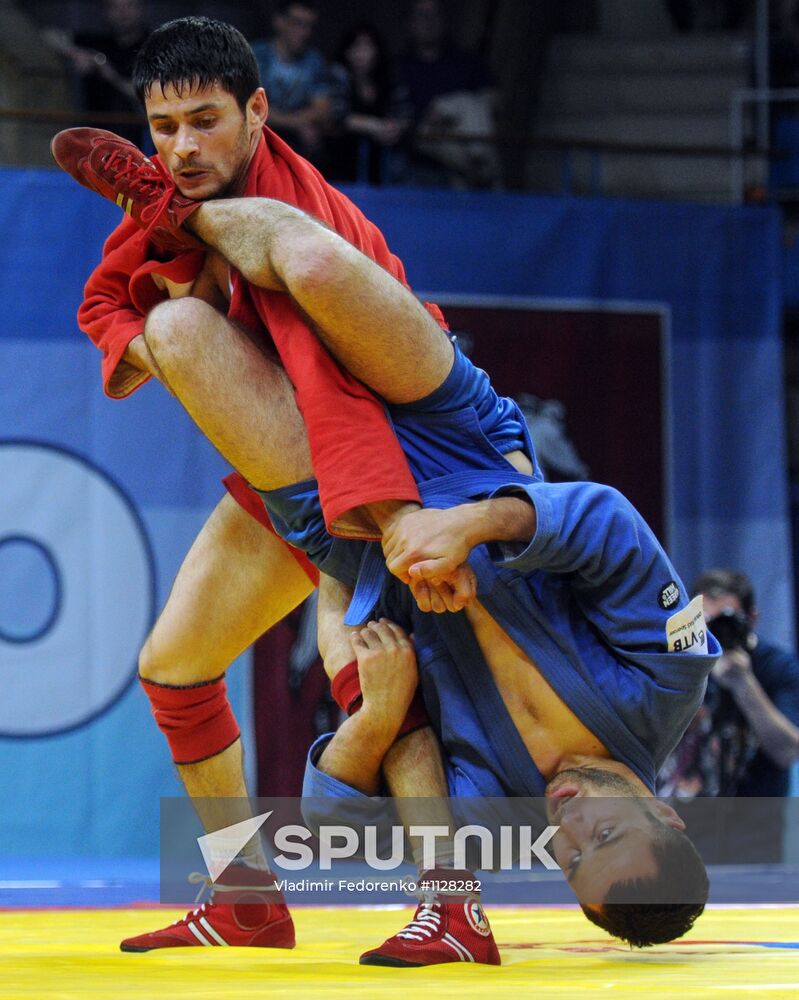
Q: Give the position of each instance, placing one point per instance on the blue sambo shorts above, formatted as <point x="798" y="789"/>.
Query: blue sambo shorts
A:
<point x="460" y="429"/>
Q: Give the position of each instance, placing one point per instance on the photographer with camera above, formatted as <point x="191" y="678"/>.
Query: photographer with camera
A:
<point x="762" y="680"/>
<point x="745" y="736"/>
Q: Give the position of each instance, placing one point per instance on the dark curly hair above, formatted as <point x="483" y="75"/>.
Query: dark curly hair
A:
<point x="720" y="580"/>
<point x="196" y="52"/>
<point x="648" y="911"/>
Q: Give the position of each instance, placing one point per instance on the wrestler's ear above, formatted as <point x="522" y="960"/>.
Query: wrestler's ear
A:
<point x="664" y="812"/>
<point x="257" y="109"/>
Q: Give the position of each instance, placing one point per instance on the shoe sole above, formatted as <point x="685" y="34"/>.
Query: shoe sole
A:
<point x="389" y="962"/>
<point x="138" y="949"/>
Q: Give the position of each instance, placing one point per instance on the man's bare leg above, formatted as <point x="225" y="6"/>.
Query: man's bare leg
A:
<point x="222" y="379"/>
<point x="412" y="767"/>
<point x="237" y="580"/>
<point x="374" y="326"/>
<point x="449" y="923"/>
<point x="414" y="773"/>
<point x="369" y="321"/>
<point x="240" y="399"/>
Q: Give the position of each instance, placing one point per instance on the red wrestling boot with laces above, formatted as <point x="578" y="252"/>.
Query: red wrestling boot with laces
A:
<point x="449" y="926"/>
<point x="247" y="911"/>
<point x="119" y="171"/>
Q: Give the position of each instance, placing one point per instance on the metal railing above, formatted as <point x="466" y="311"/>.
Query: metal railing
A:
<point x="59" y="116"/>
<point x="762" y="99"/>
<point x="739" y="151"/>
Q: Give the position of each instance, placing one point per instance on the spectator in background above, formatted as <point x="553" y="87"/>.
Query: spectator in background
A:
<point x="746" y="735"/>
<point x="296" y="79"/>
<point x="372" y="110"/>
<point x="451" y="93"/>
<point x="103" y="62"/>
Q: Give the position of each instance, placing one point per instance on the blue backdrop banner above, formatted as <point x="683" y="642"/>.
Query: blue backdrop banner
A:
<point x="101" y="499"/>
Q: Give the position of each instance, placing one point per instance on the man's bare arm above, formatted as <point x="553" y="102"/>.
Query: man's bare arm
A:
<point x="431" y="544"/>
<point x="388" y="676"/>
<point x="778" y="736"/>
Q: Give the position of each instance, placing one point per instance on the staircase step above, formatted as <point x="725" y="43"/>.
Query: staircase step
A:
<point x="657" y="130"/>
<point x="598" y="91"/>
<point x="659" y="91"/>
<point x="705" y="53"/>
<point x="682" y="178"/>
<point x="667" y="177"/>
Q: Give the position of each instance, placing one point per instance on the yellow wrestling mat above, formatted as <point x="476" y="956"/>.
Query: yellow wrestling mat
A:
<point x="73" y="955"/>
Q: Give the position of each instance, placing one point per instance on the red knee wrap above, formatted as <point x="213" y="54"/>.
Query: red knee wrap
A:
<point x="346" y="690"/>
<point x="197" y="721"/>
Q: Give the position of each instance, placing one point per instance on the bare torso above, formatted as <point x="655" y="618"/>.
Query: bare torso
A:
<point x="549" y="728"/>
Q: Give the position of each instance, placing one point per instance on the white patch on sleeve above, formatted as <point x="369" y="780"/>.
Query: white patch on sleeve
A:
<point x="686" y="631"/>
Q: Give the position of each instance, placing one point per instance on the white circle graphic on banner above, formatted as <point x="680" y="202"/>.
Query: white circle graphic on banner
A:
<point x="30" y="589"/>
<point x="76" y="653"/>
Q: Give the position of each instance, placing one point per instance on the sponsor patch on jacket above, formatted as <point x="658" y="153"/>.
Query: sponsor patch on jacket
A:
<point x="669" y="595"/>
<point x="686" y="631"/>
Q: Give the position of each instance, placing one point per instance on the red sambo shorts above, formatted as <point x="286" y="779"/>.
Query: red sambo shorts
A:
<point x="246" y="497"/>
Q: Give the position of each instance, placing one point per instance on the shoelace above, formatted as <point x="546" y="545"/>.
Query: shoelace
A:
<point x="426" y="922"/>
<point x="145" y="176"/>
<point x="197" y="912"/>
<point x="207" y="883"/>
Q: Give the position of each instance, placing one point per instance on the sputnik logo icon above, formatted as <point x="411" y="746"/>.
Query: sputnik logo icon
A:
<point x="223" y="846"/>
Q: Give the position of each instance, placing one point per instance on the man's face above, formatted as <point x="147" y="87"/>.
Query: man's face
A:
<point x="124" y="15"/>
<point x="606" y="834"/>
<point x="203" y="137"/>
<point x="426" y="22"/>
<point x="294" y="27"/>
<point x="715" y="606"/>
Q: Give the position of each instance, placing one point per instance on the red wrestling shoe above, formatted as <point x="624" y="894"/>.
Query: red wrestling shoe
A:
<point x="119" y="171"/>
<point x="247" y="912"/>
<point x="447" y="927"/>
